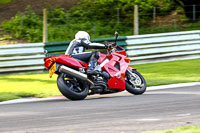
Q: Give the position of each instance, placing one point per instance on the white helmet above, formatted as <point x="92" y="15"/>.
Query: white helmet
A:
<point x="82" y="35"/>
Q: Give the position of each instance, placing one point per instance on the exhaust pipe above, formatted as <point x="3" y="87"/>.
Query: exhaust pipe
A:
<point x="76" y="74"/>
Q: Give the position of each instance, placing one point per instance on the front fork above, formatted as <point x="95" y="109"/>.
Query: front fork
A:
<point x="134" y="79"/>
<point x="130" y="76"/>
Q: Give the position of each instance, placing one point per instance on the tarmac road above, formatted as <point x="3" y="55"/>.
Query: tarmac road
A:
<point x="118" y="113"/>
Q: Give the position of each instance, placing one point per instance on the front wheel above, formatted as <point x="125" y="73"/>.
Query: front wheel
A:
<point x="135" y="82"/>
<point x="72" y="88"/>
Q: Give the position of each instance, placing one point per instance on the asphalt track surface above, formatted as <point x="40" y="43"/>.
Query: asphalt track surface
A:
<point x="118" y="113"/>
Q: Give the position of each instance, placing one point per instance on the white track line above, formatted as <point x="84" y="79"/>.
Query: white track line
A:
<point x="172" y="86"/>
<point x="162" y="87"/>
<point x="28" y="100"/>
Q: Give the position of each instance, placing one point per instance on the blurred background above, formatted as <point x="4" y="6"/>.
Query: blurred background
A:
<point x="22" y="20"/>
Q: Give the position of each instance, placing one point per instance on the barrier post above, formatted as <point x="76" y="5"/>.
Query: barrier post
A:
<point x="45" y="30"/>
<point x="136" y="21"/>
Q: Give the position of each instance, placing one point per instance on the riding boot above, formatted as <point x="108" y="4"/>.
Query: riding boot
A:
<point x="92" y="63"/>
<point x="91" y="68"/>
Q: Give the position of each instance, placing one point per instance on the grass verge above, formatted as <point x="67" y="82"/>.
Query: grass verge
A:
<point x="27" y="85"/>
<point x="39" y="85"/>
<point x="170" y="72"/>
<point x="188" y="129"/>
<point x="5" y="1"/>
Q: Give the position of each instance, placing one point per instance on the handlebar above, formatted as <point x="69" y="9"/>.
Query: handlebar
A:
<point x="110" y="45"/>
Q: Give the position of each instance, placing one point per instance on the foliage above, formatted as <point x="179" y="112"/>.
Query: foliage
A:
<point x="57" y="16"/>
<point x="188" y="6"/>
<point x="5" y="1"/>
<point x="166" y="6"/>
<point x="28" y="25"/>
<point x="105" y="11"/>
<point x="30" y="29"/>
<point x="101" y="18"/>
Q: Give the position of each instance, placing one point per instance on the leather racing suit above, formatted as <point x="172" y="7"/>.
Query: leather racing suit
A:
<point x="77" y="49"/>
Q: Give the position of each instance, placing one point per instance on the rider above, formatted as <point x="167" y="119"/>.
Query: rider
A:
<point x="77" y="48"/>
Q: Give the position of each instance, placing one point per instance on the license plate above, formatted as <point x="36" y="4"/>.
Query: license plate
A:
<point x="52" y="70"/>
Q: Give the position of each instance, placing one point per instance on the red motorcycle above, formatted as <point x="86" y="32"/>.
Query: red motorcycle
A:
<point x="114" y="74"/>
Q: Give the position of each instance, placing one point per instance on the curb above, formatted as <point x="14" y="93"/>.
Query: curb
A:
<point x="170" y="86"/>
<point x="152" y="88"/>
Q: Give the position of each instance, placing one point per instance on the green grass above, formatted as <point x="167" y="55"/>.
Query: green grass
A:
<point x="39" y="85"/>
<point x="27" y="85"/>
<point x="170" y="72"/>
<point x="188" y="129"/>
<point x="5" y="1"/>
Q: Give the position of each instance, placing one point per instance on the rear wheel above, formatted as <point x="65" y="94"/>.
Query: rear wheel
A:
<point x="72" y="88"/>
<point x="135" y="82"/>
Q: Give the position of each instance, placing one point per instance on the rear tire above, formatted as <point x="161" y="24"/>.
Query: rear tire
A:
<point x="135" y="83"/>
<point x="72" y="88"/>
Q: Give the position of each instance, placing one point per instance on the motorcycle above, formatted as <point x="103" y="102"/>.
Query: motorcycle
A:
<point x="114" y="74"/>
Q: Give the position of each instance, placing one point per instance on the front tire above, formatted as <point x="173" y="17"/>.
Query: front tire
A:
<point x="135" y="82"/>
<point x="72" y="88"/>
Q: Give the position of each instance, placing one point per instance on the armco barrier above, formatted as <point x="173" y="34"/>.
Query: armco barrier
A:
<point x="60" y="47"/>
<point x="21" y="58"/>
<point x="163" y="47"/>
<point x="140" y="49"/>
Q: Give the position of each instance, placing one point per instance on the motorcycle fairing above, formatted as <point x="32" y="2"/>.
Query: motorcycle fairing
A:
<point x="102" y="58"/>
<point x="131" y="68"/>
<point x="68" y="61"/>
<point x="117" y="80"/>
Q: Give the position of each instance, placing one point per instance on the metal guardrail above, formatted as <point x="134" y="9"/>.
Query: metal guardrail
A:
<point x="163" y="47"/>
<point x="141" y="49"/>
<point x="21" y="58"/>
